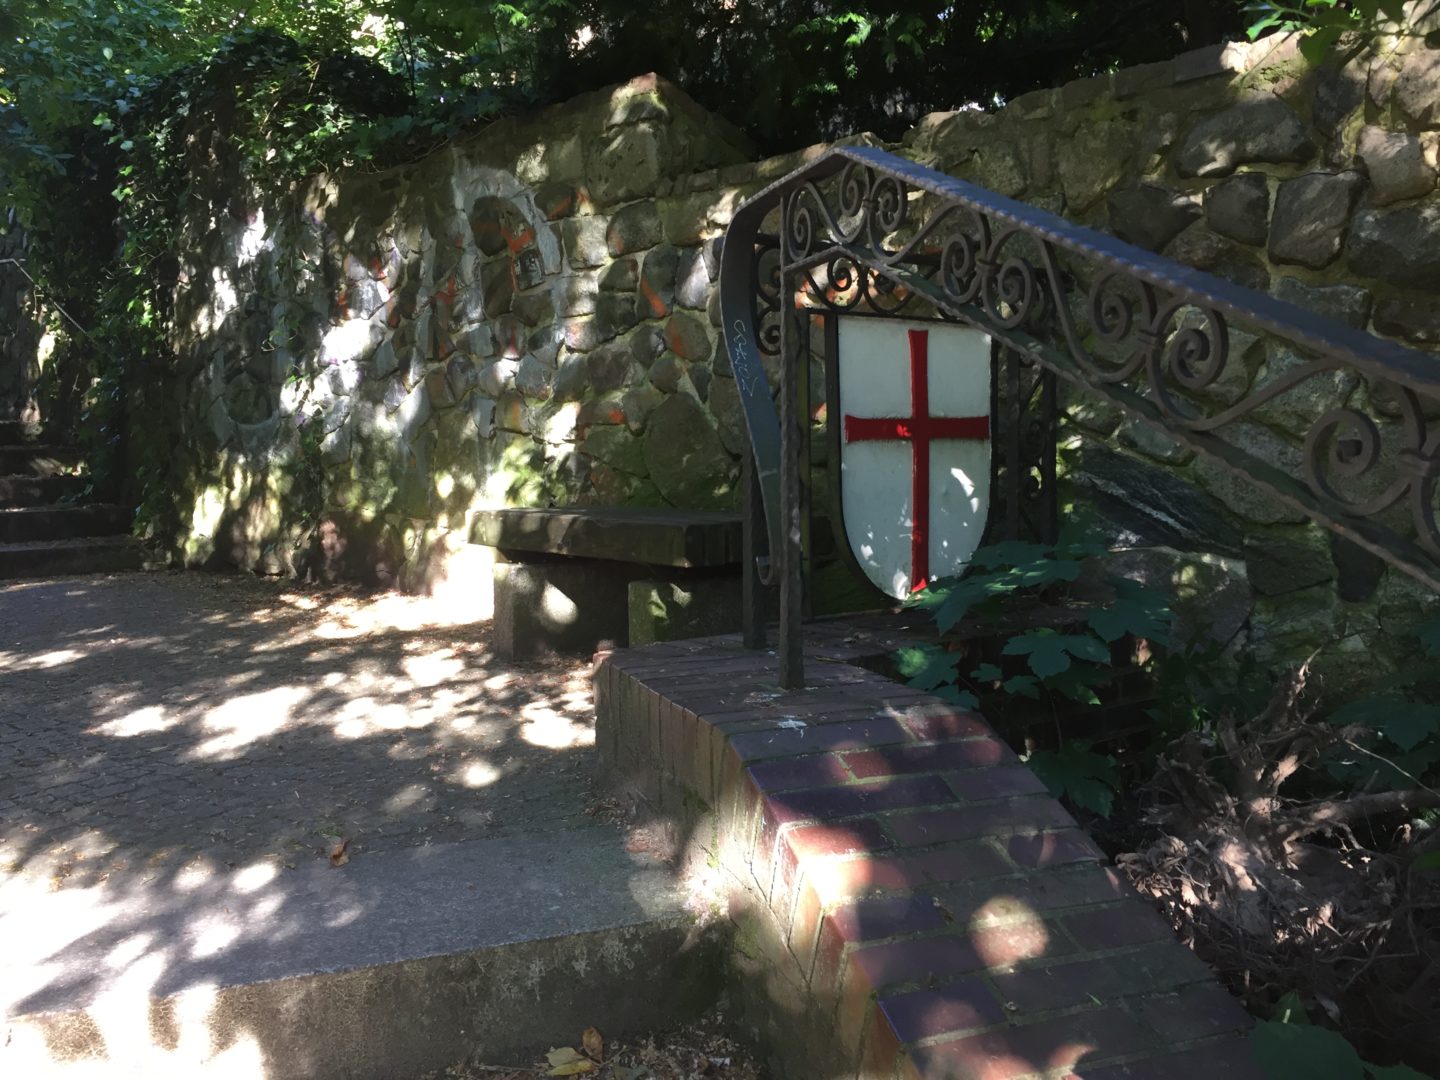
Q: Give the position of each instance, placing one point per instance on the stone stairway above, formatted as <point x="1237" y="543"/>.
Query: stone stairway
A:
<point x="45" y="530"/>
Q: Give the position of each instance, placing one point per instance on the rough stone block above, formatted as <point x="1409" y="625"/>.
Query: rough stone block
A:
<point x="1149" y="215"/>
<point x="626" y="164"/>
<point x="1349" y="304"/>
<point x="1311" y="213"/>
<point x="633" y="228"/>
<point x="1415" y="320"/>
<point x="1240" y="208"/>
<point x="1260" y="129"/>
<point x="1396" y="164"/>
<point x="1401" y="246"/>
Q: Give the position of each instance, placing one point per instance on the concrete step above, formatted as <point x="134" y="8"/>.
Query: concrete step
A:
<point x="398" y="963"/>
<point x="38" y="490"/>
<point x="38" y="459"/>
<point x="13" y="431"/>
<point x="19" y="525"/>
<point x="84" y="555"/>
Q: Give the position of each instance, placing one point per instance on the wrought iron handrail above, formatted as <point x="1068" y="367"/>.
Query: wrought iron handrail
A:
<point x="1138" y="330"/>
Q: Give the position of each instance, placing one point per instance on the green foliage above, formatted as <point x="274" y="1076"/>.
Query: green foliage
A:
<point x="1324" y="22"/>
<point x="1402" y="720"/>
<point x="1298" y="1050"/>
<point x="1074" y="771"/>
<point x="1048" y="664"/>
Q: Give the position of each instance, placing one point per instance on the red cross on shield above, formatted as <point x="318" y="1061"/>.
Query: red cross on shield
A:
<point x="914" y="448"/>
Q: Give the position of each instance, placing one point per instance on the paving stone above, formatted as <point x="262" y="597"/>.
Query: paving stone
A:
<point x="201" y="728"/>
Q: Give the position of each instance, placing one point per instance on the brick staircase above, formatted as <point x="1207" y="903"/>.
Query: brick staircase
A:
<point x="910" y="902"/>
<point x="45" y="527"/>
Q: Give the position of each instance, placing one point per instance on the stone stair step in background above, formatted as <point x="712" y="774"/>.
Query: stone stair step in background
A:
<point x="34" y="523"/>
<point x="48" y="526"/>
<point x="13" y="431"/>
<point x="38" y="459"/>
<point x="18" y="491"/>
<point x="82" y="555"/>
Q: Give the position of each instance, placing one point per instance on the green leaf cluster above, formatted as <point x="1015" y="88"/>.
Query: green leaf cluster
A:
<point x="1402" y="716"/>
<point x="1072" y="662"/>
<point x="1324" y="22"/>
<point x="1294" y="1049"/>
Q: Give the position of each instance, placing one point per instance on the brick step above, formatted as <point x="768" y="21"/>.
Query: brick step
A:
<point x="38" y="459"/>
<point x="86" y="555"/>
<point x="62" y="522"/>
<point x="39" y="490"/>
<point x="14" y="431"/>
<point x="913" y="901"/>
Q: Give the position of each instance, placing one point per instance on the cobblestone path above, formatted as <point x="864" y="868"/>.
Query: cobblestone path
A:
<point x="149" y="722"/>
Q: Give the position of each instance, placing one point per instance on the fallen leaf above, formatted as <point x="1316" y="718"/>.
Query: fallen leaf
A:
<point x="339" y="853"/>
<point x="566" y="1061"/>
<point x="593" y="1044"/>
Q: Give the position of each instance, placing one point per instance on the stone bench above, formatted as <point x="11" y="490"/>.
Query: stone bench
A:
<point x="569" y="578"/>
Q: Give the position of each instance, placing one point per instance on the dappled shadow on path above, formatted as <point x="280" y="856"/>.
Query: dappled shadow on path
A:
<point x="187" y="741"/>
<point x="146" y="720"/>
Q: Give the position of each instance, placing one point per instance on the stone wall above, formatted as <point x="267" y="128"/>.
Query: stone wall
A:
<point x="1317" y="184"/>
<point x="527" y="317"/>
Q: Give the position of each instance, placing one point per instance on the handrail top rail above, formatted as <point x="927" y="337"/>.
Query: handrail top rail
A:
<point x="1376" y="356"/>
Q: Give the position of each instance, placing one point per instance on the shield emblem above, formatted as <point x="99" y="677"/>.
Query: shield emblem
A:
<point x="914" y="408"/>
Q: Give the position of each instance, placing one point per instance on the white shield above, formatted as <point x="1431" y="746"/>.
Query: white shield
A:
<point x="898" y="449"/>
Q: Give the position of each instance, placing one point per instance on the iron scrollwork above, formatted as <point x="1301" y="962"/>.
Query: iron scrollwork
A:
<point x="1328" y="419"/>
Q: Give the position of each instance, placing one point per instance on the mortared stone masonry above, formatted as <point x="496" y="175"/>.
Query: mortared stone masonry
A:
<point x="910" y="901"/>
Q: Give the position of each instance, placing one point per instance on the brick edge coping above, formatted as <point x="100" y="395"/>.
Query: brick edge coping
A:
<point x="920" y="906"/>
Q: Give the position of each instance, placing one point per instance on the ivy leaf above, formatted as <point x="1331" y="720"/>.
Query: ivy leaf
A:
<point x="1363" y="771"/>
<point x="1371" y="711"/>
<point x="1394" y="1072"/>
<point x="1049" y="653"/>
<point x="1078" y="684"/>
<point x="966" y="595"/>
<point x="1074" y="771"/>
<point x="1024" y="685"/>
<point x="961" y="699"/>
<point x="1315" y="45"/>
<point x="1132" y="617"/>
<point x="1303" y="1052"/>
<point x="926" y="667"/>
<point x="1411" y="724"/>
<point x="1008" y="553"/>
<point x="1290" y="1009"/>
<point x="986" y="673"/>
<point x="1394" y="10"/>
